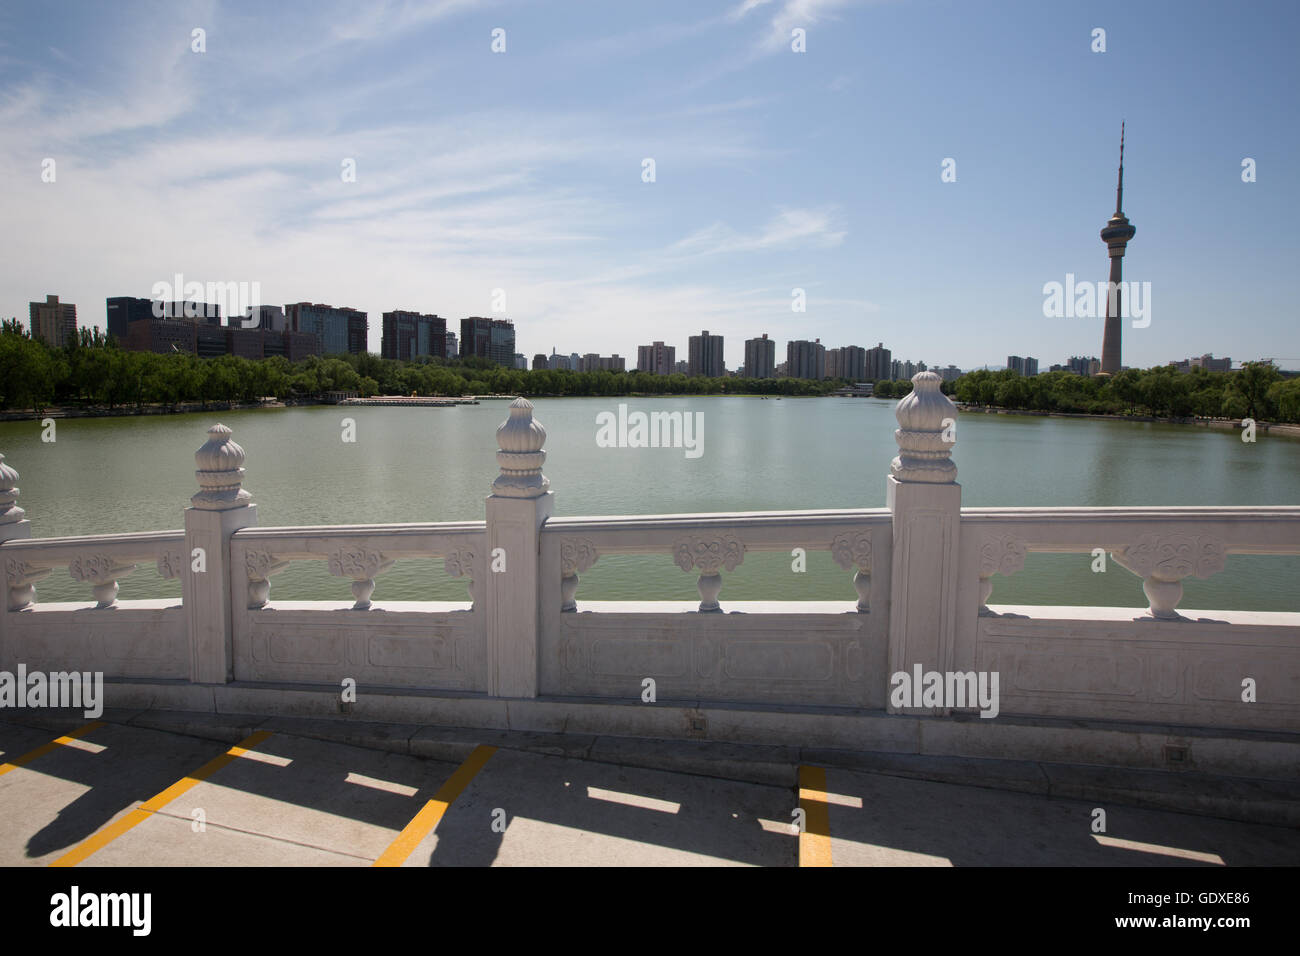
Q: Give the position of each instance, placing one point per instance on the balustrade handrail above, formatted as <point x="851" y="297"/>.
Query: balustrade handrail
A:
<point x="743" y="519"/>
<point x="116" y="541"/>
<point x="1239" y="529"/>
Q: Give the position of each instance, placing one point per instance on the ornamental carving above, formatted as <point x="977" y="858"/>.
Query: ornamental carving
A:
<point x="709" y="553"/>
<point x="19" y="572"/>
<point x="259" y="565"/>
<point x="170" y="565"/>
<point x="358" y="563"/>
<point x="576" y="555"/>
<point x="1001" y="555"/>
<point x="1170" y="557"/>
<point x="97" y="568"/>
<point x="459" y="563"/>
<point x="852" y="548"/>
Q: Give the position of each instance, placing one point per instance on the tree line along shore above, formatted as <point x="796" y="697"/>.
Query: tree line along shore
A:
<point x="93" y="375"/>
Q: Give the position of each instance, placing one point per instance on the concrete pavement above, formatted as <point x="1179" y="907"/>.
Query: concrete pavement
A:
<point x="122" y="794"/>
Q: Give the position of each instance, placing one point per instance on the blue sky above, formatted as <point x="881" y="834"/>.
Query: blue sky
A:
<point x="522" y="170"/>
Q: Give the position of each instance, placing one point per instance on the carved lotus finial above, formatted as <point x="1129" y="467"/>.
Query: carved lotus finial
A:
<point x="220" y="473"/>
<point x="927" y="420"/>
<point x="10" y="513"/>
<point x="520" y="438"/>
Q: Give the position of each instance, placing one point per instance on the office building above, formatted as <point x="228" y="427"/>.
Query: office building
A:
<point x="1207" y="362"/>
<point x="492" y="339"/>
<point x="339" y="330"/>
<point x="408" y="335"/>
<point x="268" y="318"/>
<point x="200" y="313"/>
<point x="122" y="310"/>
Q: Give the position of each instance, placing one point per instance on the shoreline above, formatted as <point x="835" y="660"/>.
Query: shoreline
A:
<point x="1280" y="428"/>
<point x="1230" y="424"/>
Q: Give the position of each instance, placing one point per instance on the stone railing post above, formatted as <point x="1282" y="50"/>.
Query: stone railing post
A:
<point x="925" y="500"/>
<point x="219" y="509"/>
<point x="516" y="509"/>
<point x="19" y="578"/>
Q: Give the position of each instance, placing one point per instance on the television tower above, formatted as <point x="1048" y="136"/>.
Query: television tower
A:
<point x="1116" y="234"/>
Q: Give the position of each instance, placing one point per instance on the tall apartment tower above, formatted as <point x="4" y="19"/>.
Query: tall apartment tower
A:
<point x="879" y="363"/>
<point x="804" y="359"/>
<point x="705" y="356"/>
<point x="656" y="358"/>
<point x="53" y="322"/>
<point x="760" y="357"/>
<point x="1116" y="234"/>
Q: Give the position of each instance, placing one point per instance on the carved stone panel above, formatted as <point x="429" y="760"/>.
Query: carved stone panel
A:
<point x="1171" y="557"/>
<point x="709" y="552"/>
<point x="1003" y="554"/>
<point x="577" y="555"/>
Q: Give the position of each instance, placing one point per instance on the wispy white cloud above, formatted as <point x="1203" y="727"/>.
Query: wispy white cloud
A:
<point x="814" y="228"/>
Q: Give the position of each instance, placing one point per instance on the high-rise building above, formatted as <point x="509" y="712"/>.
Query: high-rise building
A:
<point x="681" y="368"/>
<point x="452" y="351"/>
<point x="656" y="358"/>
<point x="521" y="361"/>
<point x="1206" y="361"/>
<point x="539" y="362"/>
<point x="949" y="374"/>
<point x="879" y="363"/>
<point x="1116" y="234"/>
<point x="200" y="313"/>
<point x="268" y="318"/>
<point x="492" y="339"/>
<point x="804" y="359"/>
<point x="122" y="310"/>
<point x="760" y="357"/>
<point x="53" y="322"/>
<point x="849" y="362"/>
<point x="407" y="335"/>
<point x="902" y="371"/>
<point x="705" y="355"/>
<point x="341" y="330"/>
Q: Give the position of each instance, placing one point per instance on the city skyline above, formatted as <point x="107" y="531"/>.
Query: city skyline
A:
<point x="407" y="334"/>
<point x="205" y="163"/>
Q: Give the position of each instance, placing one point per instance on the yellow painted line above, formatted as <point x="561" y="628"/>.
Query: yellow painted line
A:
<point x="815" y="839"/>
<point x="431" y="814"/>
<point x="1159" y="849"/>
<point x="106" y="835"/>
<point x="46" y="748"/>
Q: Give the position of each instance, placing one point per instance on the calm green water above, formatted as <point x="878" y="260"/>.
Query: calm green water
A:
<point x="437" y="464"/>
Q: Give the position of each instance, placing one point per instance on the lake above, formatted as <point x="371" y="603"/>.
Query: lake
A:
<point x="124" y="474"/>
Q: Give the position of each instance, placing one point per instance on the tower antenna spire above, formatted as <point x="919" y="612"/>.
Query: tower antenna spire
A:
<point x="1119" y="187"/>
